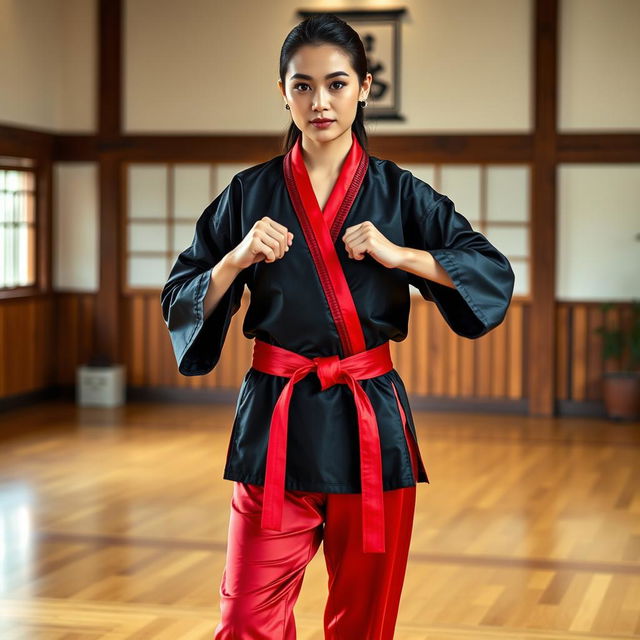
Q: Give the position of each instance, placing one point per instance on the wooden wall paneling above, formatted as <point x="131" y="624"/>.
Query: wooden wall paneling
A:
<point x="236" y="362"/>
<point x="483" y="365"/>
<point x="435" y="385"/>
<point x="87" y="337"/>
<point x="418" y="329"/>
<point x="68" y="337"/>
<point x="562" y="352"/>
<point x="443" y="332"/>
<point x="515" y="343"/>
<point x="221" y="373"/>
<point x="404" y="360"/>
<point x="626" y="318"/>
<point x="612" y="322"/>
<point x="18" y="316"/>
<point x="579" y="353"/>
<point x="499" y="361"/>
<point x="410" y="364"/>
<point x="234" y="351"/>
<point x="168" y="373"/>
<point x="467" y="368"/>
<point x="22" y="333"/>
<point x="169" y="367"/>
<point x="74" y="333"/>
<point x="29" y="330"/>
<point x="595" y="318"/>
<point x="452" y="364"/>
<point x="527" y="351"/>
<point x="211" y="380"/>
<point x="11" y="338"/>
<point x="247" y="345"/>
<point x="136" y="330"/>
<point x="155" y="334"/>
<point x="394" y="349"/>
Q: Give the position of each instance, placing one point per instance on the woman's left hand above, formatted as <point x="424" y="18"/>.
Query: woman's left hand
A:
<point x="365" y="238"/>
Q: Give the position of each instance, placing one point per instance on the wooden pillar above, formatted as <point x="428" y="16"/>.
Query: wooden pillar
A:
<point x="542" y="379"/>
<point x="108" y="338"/>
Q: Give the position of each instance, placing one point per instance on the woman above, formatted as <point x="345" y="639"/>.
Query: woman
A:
<point x="323" y="445"/>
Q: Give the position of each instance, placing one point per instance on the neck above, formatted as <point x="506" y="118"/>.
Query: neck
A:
<point x="326" y="157"/>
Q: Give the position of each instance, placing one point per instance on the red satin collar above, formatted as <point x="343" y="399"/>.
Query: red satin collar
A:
<point x="345" y="178"/>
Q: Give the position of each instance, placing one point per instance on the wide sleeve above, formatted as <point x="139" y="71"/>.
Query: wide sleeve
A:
<point x="482" y="275"/>
<point x="197" y="342"/>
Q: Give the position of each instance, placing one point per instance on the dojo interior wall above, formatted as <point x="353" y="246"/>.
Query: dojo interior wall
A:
<point x="183" y="73"/>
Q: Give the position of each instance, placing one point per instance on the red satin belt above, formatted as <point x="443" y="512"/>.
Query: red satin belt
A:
<point x="330" y="370"/>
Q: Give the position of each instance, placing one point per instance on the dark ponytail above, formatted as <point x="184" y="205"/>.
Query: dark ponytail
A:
<point x="326" y="28"/>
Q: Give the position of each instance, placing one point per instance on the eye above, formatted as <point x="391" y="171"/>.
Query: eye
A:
<point x="304" y="84"/>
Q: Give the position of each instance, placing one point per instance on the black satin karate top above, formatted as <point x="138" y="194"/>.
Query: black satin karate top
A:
<point x="288" y="308"/>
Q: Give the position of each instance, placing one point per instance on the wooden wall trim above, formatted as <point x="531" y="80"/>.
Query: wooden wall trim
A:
<point x="25" y="143"/>
<point x="468" y="148"/>
<point x="598" y="147"/>
<point x="257" y="148"/>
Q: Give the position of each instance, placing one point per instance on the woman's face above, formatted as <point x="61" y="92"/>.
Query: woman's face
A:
<point x="320" y="82"/>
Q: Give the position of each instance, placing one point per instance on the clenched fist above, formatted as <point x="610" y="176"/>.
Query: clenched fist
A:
<point x="267" y="240"/>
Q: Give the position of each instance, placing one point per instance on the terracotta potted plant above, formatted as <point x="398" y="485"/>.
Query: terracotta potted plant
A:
<point x="621" y="387"/>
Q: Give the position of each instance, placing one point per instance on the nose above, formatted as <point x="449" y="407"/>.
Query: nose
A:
<point x="320" y="99"/>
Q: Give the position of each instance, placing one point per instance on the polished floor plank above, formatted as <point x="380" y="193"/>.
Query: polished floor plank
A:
<point x="113" y="525"/>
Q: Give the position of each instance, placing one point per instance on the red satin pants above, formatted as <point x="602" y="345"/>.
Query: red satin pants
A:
<point x="264" y="568"/>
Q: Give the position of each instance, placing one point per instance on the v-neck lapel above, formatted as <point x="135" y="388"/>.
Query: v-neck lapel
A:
<point x="321" y="230"/>
<point x="343" y="192"/>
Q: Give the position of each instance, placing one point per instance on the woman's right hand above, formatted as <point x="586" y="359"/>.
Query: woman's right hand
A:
<point x="267" y="240"/>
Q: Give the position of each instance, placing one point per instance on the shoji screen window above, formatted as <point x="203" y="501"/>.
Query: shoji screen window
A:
<point x="507" y="222"/>
<point x="163" y="203"/>
<point x="495" y="199"/>
<point x="17" y="225"/>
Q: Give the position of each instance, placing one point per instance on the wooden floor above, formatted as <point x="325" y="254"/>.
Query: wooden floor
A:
<point x="113" y="526"/>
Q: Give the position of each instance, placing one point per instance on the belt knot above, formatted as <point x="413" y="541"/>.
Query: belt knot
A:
<point x="329" y="370"/>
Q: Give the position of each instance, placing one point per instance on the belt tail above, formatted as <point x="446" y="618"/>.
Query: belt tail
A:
<point x="373" y="525"/>
<point x="276" y="465"/>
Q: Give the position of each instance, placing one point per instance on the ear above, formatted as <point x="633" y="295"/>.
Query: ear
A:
<point x="366" y="85"/>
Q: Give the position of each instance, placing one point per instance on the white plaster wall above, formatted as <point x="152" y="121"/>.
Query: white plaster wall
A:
<point x="212" y="66"/>
<point x="75" y="229"/>
<point x="47" y="64"/>
<point x="599" y="69"/>
<point x="598" y="244"/>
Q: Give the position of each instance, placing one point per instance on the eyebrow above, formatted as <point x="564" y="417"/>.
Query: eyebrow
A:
<point x="304" y="76"/>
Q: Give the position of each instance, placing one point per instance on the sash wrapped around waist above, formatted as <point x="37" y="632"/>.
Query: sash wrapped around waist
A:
<point x="330" y="370"/>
